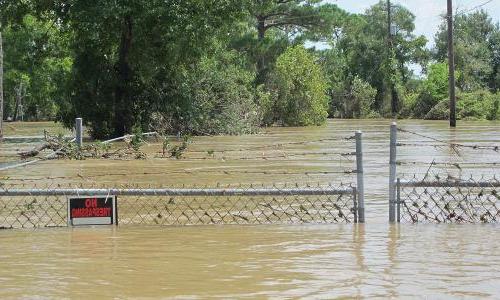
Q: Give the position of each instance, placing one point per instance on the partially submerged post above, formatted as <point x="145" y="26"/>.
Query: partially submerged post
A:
<point x="451" y="66"/>
<point x="79" y="132"/>
<point x="359" y="170"/>
<point x="1" y="87"/>
<point x="392" y="172"/>
<point x="398" y="198"/>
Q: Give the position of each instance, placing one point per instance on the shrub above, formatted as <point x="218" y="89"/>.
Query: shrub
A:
<point x="214" y="96"/>
<point x="363" y="97"/>
<point x="408" y="104"/>
<point x="433" y="90"/>
<point x="298" y="88"/>
<point x="440" y="111"/>
<point x="477" y="105"/>
<point x="480" y="104"/>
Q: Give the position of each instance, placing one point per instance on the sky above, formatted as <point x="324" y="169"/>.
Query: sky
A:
<point x="427" y="12"/>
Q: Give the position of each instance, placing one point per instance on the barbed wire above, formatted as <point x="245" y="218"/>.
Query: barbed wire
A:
<point x="495" y="148"/>
<point x="457" y="165"/>
<point x="187" y="172"/>
<point x="345" y="155"/>
<point x="278" y="145"/>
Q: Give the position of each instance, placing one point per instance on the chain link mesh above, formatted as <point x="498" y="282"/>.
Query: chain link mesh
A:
<point x="324" y="205"/>
<point x="457" y="201"/>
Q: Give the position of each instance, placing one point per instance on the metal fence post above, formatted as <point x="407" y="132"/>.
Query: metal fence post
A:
<point x="392" y="172"/>
<point x="79" y="132"/>
<point x="360" y="174"/>
<point x="398" y="201"/>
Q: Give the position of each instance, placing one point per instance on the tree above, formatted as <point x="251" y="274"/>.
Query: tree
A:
<point x="127" y="55"/>
<point x="39" y="64"/>
<point x="361" y="98"/>
<point x="299" y="89"/>
<point x="216" y="97"/>
<point x="294" y="18"/>
<point x="477" y="50"/>
<point x="434" y="90"/>
<point x="360" y="47"/>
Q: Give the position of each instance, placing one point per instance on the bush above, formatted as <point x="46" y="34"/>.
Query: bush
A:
<point x="433" y="90"/>
<point x="363" y="97"/>
<point x="481" y="105"/>
<point x="215" y="97"/>
<point x="298" y="88"/>
<point x="440" y="111"/>
<point x="477" y="105"/>
<point x="265" y="103"/>
<point x="408" y="104"/>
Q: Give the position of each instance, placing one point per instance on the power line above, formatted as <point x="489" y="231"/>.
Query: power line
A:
<point x="474" y="8"/>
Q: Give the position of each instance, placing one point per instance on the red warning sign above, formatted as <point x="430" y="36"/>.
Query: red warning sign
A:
<point x="97" y="210"/>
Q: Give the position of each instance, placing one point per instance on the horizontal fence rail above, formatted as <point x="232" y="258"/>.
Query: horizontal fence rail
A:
<point x="28" y="208"/>
<point x="442" y="180"/>
<point x="449" y="184"/>
<point x="177" y="192"/>
<point x="457" y="201"/>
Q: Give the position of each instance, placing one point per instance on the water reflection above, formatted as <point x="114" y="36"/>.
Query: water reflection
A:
<point x="254" y="261"/>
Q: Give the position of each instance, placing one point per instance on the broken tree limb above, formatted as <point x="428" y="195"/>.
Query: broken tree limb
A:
<point x="35" y="151"/>
<point x="129" y="136"/>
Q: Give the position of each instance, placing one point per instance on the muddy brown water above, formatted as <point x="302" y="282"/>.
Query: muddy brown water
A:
<point x="308" y="261"/>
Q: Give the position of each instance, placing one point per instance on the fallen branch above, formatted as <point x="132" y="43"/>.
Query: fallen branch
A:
<point x="128" y="136"/>
<point x="34" y="152"/>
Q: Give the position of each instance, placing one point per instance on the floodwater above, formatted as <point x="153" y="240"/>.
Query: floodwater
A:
<point x="307" y="261"/>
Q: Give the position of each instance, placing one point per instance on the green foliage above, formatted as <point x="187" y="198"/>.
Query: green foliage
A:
<point x="477" y="50"/>
<point x="354" y="101"/>
<point x="137" y="139"/>
<point x="440" y="111"/>
<point x="264" y="100"/>
<point x="210" y="67"/>
<point x="363" y="95"/>
<point x="299" y="89"/>
<point x="436" y="83"/>
<point x="276" y="22"/>
<point x="361" y="49"/>
<point x="176" y="151"/>
<point x="37" y="64"/>
<point x="216" y="97"/>
<point x="408" y="104"/>
<point x="129" y="54"/>
<point x="477" y="105"/>
<point x="481" y="104"/>
<point x="434" y="89"/>
<point x="165" y="146"/>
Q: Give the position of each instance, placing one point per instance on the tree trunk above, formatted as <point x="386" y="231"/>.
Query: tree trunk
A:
<point x="261" y="63"/>
<point x="1" y="87"/>
<point x="123" y="120"/>
<point x="18" y="101"/>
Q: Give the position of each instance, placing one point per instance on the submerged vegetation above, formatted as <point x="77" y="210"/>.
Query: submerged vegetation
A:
<point x="227" y="67"/>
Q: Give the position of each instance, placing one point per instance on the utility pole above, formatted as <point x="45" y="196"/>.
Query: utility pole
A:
<point x="1" y="86"/>
<point x="389" y="58"/>
<point x="451" y="66"/>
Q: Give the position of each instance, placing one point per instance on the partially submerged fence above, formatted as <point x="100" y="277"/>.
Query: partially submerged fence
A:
<point x="451" y="188"/>
<point x="21" y="208"/>
<point x="27" y="203"/>
<point x="459" y="201"/>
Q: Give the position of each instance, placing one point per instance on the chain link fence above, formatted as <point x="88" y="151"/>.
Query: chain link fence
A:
<point x="449" y="182"/>
<point x="48" y="206"/>
<point x="448" y="201"/>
